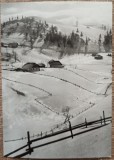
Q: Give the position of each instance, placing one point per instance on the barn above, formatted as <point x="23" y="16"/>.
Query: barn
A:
<point x="55" y="64"/>
<point x="30" y="67"/>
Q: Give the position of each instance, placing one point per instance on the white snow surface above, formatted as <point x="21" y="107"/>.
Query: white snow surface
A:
<point x="44" y="96"/>
<point x="35" y="101"/>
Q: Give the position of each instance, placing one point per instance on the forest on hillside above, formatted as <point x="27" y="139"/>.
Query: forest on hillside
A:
<point x="52" y="36"/>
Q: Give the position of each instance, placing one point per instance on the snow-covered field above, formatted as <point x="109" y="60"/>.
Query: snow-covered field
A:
<point x="35" y="102"/>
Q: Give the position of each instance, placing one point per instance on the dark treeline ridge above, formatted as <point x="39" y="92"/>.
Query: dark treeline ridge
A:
<point x="108" y="41"/>
<point x="52" y="37"/>
<point x="66" y="44"/>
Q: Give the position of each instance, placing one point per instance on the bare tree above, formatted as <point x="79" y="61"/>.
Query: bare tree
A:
<point x="66" y="113"/>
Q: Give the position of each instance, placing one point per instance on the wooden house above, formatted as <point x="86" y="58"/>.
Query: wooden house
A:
<point x="13" y="45"/>
<point x="30" y="67"/>
<point x="55" y="64"/>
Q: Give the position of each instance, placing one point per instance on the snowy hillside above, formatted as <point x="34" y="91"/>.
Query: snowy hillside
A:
<point x="37" y="101"/>
<point x="90" y="32"/>
<point x="20" y="32"/>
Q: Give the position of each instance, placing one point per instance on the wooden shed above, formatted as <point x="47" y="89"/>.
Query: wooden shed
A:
<point x="55" y="64"/>
<point x="13" y="45"/>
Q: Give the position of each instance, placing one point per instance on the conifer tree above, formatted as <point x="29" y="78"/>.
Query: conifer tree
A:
<point x="99" y="43"/>
<point x="77" y="30"/>
<point x="107" y="42"/>
<point x="81" y="34"/>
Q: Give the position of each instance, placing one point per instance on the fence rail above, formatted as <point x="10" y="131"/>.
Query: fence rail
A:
<point x="96" y="124"/>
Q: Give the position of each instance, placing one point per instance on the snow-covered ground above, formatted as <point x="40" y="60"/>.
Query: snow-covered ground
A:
<point x="35" y="102"/>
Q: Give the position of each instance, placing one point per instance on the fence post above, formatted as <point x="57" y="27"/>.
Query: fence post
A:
<point x="104" y="117"/>
<point x="70" y="128"/>
<point x="29" y="143"/>
<point x="41" y="134"/>
<point x="52" y="131"/>
<point x="101" y="119"/>
<point x="86" y="122"/>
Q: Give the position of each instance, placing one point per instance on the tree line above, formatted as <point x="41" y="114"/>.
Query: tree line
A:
<point x="108" y="41"/>
<point x="67" y="44"/>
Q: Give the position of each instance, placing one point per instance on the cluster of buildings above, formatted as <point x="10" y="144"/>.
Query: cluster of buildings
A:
<point x="32" y="67"/>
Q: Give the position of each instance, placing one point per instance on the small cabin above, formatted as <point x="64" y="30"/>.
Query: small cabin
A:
<point x="55" y="64"/>
<point x="4" y="45"/>
<point x="5" y="59"/>
<point x="13" y="45"/>
<point x="30" y="67"/>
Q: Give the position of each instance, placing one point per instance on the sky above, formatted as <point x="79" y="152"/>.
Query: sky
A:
<point x="99" y="12"/>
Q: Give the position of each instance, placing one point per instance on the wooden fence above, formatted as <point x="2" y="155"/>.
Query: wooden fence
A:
<point x="96" y="124"/>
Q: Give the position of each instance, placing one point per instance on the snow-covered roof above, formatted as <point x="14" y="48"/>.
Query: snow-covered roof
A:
<point x="55" y="62"/>
<point x="29" y="65"/>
